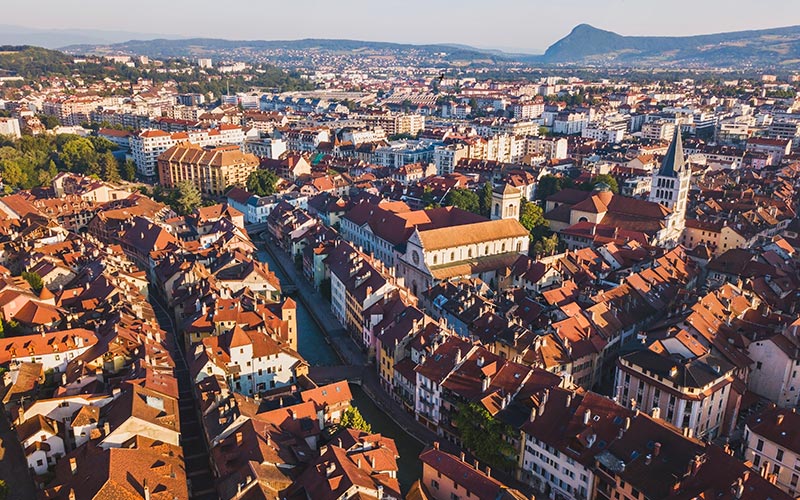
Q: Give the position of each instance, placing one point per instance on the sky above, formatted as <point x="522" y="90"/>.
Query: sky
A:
<point x="520" y="25"/>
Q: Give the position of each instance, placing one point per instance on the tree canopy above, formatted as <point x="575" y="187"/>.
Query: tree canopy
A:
<point x="463" y="199"/>
<point x="34" y="280"/>
<point x="484" y="436"/>
<point x="550" y="184"/>
<point x="187" y="197"/>
<point x="262" y="182"/>
<point x="352" y="419"/>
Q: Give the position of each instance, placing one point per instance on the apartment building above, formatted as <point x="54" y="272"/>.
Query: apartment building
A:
<point x="148" y="145"/>
<point x="771" y="446"/>
<point x="211" y="169"/>
<point x="10" y="127"/>
<point x="680" y="382"/>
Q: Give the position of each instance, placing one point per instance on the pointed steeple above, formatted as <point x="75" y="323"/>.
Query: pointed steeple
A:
<point x="674" y="161"/>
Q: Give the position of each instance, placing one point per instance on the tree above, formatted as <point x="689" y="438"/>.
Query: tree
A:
<point x="129" y="170"/>
<point x="187" y="197"/>
<point x="546" y="245"/>
<point x="34" y="280"/>
<point x="262" y="182"/>
<point x="109" y="168"/>
<point x="485" y="196"/>
<point x="463" y="199"/>
<point x="352" y="419"/>
<point x="550" y="184"/>
<point x="78" y="155"/>
<point x="608" y="180"/>
<point x="50" y="122"/>
<point x="484" y="436"/>
<point x="428" y="200"/>
<point x="531" y="215"/>
<point x="13" y="175"/>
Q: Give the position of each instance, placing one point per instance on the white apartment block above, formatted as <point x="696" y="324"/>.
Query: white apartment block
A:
<point x="10" y="127"/>
<point x="148" y="145"/>
<point x="659" y="130"/>
<point x="266" y="148"/>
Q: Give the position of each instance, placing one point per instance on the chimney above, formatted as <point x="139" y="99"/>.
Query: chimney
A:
<point x="106" y="429"/>
<point x="656" y="448"/>
<point x="648" y="459"/>
<point x="436" y="445"/>
<point x="71" y="494"/>
<point x="146" y="490"/>
<point x="488" y="471"/>
<point x="463" y="457"/>
<point x="780" y="419"/>
<point x="587" y="417"/>
<point x="73" y="465"/>
<point x="239" y="438"/>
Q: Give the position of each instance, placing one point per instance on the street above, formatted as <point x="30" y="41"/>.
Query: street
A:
<point x="195" y="453"/>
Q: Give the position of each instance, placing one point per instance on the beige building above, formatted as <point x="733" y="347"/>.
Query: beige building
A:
<point x="212" y="169"/>
<point x="678" y="381"/>
<point x="770" y="444"/>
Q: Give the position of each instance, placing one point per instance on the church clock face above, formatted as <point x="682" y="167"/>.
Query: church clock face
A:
<point x="415" y="257"/>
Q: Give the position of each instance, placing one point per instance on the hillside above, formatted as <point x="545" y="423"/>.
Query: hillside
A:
<point x="284" y="50"/>
<point x="589" y="45"/>
<point x="32" y="62"/>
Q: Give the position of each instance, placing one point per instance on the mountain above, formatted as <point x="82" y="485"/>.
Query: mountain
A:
<point x="51" y="39"/>
<point x="589" y="45"/>
<point x="254" y="50"/>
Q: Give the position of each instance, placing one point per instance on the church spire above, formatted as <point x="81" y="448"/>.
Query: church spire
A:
<point x="674" y="161"/>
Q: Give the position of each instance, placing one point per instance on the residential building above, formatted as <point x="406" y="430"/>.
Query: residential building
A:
<point x="211" y="169"/>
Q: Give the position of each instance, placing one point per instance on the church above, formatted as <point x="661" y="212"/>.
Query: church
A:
<point x="660" y="219"/>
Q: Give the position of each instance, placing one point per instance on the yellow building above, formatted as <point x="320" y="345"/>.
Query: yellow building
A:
<point x="212" y="169"/>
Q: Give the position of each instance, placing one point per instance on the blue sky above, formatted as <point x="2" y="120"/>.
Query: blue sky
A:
<point x="529" y="25"/>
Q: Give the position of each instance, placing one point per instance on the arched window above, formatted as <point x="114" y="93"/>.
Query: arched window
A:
<point x="503" y="248"/>
<point x="435" y="259"/>
<point x="452" y="256"/>
<point x="497" y="210"/>
<point x="469" y="253"/>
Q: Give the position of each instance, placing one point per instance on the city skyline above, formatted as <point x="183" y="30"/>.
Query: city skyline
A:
<point x="356" y="19"/>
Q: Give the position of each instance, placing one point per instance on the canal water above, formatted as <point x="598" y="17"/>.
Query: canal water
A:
<point x="311" y="342"/>
<point x="407" y="447"/>
<point x="312" y="345"/>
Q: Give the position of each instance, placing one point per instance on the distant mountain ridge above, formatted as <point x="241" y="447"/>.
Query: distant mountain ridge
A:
<point x="586" y="44"/>
<point x="220" y="48"/>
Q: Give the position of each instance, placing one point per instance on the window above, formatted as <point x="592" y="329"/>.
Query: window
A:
<point x="779" y="455"/>
<point x="758" y="365"/>
<point x="760" y="445"/>
<point x="434" y="484"/>
<point x="756" y="460"/>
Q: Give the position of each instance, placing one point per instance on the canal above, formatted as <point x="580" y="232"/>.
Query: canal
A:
<point x="313" y="346"/>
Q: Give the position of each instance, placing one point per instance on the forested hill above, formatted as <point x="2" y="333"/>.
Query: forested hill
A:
<point x="33" y="63"/>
